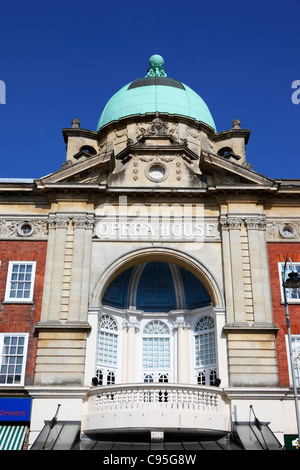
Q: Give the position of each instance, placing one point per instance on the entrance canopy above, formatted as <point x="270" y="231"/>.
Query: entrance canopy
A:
<point x="245" y="436"/>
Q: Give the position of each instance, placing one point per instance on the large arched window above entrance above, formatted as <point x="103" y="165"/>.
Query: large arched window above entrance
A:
<point x="107" y="350"/>
<point x="205" y="351"/>
<point x="156" y="352"/>
<point x="156" y="287"/>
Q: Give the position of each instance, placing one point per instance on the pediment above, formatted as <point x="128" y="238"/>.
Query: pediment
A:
<point x="186" y="168"/>
<point x="87" y="170"/>
<point x="221" y="172"/>
<point x="205" y="171"/>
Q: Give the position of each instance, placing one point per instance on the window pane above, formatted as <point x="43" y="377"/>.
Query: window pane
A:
<point x="156" y="353"/>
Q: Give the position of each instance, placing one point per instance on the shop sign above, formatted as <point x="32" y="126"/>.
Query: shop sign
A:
<point x="15" y="409"/>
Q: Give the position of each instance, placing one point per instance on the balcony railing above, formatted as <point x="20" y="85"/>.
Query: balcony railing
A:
<point x="155" y="406"/>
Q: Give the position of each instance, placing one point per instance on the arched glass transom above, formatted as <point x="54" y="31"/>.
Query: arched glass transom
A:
<point x="156" y="287"/>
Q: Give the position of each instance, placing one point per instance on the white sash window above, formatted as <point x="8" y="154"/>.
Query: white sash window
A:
<point x="13" y="353"/>
<point x="20" y="281"/>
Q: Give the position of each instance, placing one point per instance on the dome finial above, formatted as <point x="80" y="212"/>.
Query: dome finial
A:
<point x="156" y="66"/>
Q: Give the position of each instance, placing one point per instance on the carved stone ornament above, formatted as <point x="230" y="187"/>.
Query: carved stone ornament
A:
<point x="158" y="127"/>
<point x="28" y="228"/>
<point x="283" y="231"/>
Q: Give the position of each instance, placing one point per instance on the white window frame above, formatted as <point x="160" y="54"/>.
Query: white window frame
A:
<point x="296" y="359"/>
<point x="24" y="356"/>
<point x="104" y="367"/>
<point x="156" y="373"/>
<point x="288" y="269"/>
<point x="210" y="368"/>
<point x="9" y="280"/>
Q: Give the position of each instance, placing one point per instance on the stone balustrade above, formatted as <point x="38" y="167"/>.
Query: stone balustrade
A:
<point x="155" y="406"/>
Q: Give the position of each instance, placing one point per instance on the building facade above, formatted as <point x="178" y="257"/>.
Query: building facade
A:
<point x="157" y="248"/>
<point x="23" y="248"/>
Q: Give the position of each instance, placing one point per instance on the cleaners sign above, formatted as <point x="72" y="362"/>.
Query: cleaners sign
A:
<point x="15" y="409"/>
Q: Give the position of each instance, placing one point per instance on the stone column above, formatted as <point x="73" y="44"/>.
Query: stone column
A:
<point x="131" y="354"/>
<point x="132" y="327"/>
<point x="183" y="352"/>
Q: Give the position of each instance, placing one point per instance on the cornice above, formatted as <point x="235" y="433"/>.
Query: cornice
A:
<point x="67" y="326"/>
<point x="246" y="327"/>
<point x="78" y="132"/>
<point x="259" y="393"/>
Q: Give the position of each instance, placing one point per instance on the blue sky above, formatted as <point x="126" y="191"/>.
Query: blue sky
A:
<point x="61" y="60"/>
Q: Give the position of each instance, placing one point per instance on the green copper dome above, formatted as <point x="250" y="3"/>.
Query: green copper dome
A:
<point x="156" y="92"/>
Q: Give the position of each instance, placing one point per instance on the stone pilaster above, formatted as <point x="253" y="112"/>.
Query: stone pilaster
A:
<point x="256" y="227"/>
<point x="58" y="226"/>
<point x="249" y="327"/>
<point x="80" y="273"/>
<point x="64" y="316"/>
<point x="233" y="269"/>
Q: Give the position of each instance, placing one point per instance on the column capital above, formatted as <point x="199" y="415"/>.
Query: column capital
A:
<point x="58" y="221"/>
<point x="256" y="223"/>
<point x="83" y="221"/>
<point x="230" y="222"/>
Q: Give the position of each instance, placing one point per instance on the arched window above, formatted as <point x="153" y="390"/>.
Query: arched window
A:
<point x="91" y="151"/>
<point x="205" y="351"/>
<point x="156" y="352"/>
<point x="107" y="352"/>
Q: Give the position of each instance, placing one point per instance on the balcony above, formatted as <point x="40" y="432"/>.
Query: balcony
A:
<point x="155" y="407"/>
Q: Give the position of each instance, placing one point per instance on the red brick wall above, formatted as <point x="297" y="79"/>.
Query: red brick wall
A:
<point x="278" y="253"/>
<point x="21" y="318"/>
